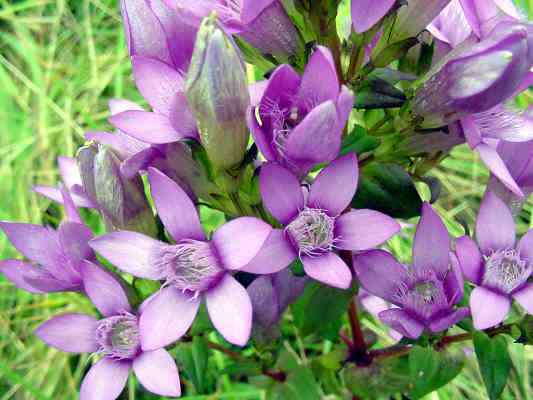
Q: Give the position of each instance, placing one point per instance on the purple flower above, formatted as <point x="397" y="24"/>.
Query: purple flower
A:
<point x="500" y="266"/>
<point x="367" y="13"/>
<point x="299" y="121"/>
<point x="480" y="13"/>
<point x="118" y="337"/>
<point x="375" y="305"/>
<point x="425" y="292"/>
<point x="192" y="269"/>
<point x="414" y="17"/>
<point x="315" y="226"/>
<point x="54" y="256"/>
<point x="451" y="27"/>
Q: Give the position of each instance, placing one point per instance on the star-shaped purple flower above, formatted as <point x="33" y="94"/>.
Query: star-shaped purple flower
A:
<point x="193" y="268"/>
<point x="117" y="337"/>
<point x="424" y="293"/>
<point x="315" y="225"/>
<point x="500" y="266"/>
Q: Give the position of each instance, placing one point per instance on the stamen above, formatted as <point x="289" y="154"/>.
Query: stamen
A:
<point x="313" y="232"/>
<point x="118" y="336"/>
<point x="506" y="270"/>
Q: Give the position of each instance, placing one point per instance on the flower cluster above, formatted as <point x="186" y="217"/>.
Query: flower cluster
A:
<point x="291" y="200"/>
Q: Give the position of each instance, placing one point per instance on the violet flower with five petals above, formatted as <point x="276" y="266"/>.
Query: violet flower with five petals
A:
<point x="314" y="227"/>
<point x="193" y="269"/>
<point x="117" y="337"/>
<point x="424" y="293"/>
<point x="498" y="265"/>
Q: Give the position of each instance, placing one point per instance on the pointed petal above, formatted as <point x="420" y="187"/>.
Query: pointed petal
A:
<point x="157" y="82"/>
<point x="488" y="308"/>
<point x="182" y="118"/>
<point x="364" y="229"/>
<point x="524" y="297"/>
<point x="454" y="282"/>
<point x="525" y="245"/>
<point x="157" y="372"/>
<point x="239" y="241"/>
<point x="317" y="139"/>
<point x="174" y="207"/>
<point x="146" y="126"/>
<point x="281" y="192"/>
<point x="496" y="165"/>
<point x="224" y="302"/>
<point x="344" y="106"/>
<point x="105" y="380"/>
<point x="74" y="239"/>
<point x="448" y="320"/>
<point x="71" y="211"/>
<point x="54" y="194"/>
<point x="104" y="290"/>
<point x="402" y="322"/>
<point x="125" y="146"/>
<point x="470" y="259"/>
<point x="132" y="252"/>
<point x="367" y="13"/>
<point x="116" y="106"/>
<point x="495" y="228"/>
<point x="319" y="82"/>
<point x="335" y="186"/>
<point x="69" y="171"/>
<point x="379" y="273"/>
<point x="276" y="254"/>
<point x="16" y="271"/>
<point x="166" y="318"/>
<point x="329" y="269"/>
<point x="72" y="333"/>
<point x="431" y="248"/>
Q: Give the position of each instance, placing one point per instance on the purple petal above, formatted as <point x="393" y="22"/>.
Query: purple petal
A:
<point x="495" y="228"/>
<point x="132" y="252"/>
<point x="344" y="105"/>
<point x="74" y="239"/>
<point x="71" y="211"/>
<point x="470" y="259"/>
<point x="525" y="245"/>
<point x="335" y="186"/>
<point x="146" y="126"/>
<point x="72" y="333"/>
<point x="140" y="161"/>
<point x="174" y="207"/>
<point x="116" y="106"/>
<point x="54" y="194"/>
<point x="524" y="297"/>
<point x="16" y="271"/>
<point x="431" y="248"/>
<point x="265" y="302"/>
<point x="166" y="318"/>
<point x="257" y="90"/>
<point x="495" y="164"/>
<point x="454" y="282"/>
<point x="182" y="118"/>
<point x="364" y="229"/>
<point x="157" y="82"/>
<point x="104" y="290"/>
<point x="69" y="171"/>
<point x="317" y="139"/>
<point x="276" y="253"/>
<point x="281" y="192"/>
<point x="319" y="82"/>
<point x="105" y="380"/>
<point x="488" y="308"/>
<point x="367" y="13"/>
<point x="251" y="9"/>
<point x="125" y="146"/>
<point x="328" y="268"/>
<point x="239" y="241"/>
<point x="402" y="322"/>
<point x="157" y="372"/>
<point x="379" y="273"/>
<point x="448" y="320"/>
<point x="225" y="301"/>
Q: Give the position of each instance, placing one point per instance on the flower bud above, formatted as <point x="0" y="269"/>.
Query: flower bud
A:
<point x="218" y="95"/>
<point x="415" y="17"/>
<point x="474" y="79"/>
<point x="120" y="200"/>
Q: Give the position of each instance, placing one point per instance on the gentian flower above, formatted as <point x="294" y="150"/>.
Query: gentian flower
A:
<point x="118" y="337"/>
<point x="499" y="267"/>
<point x="54" y="256"/>
<point x="299" y="121"/>
<point x="375" y="305"/>
<point x="480" y="13"/>
<point x="451" y="26"/>
<point x="367" y="13"/>
<point x="193" y="269"/>
<point x="426" y="292"/>
<point x="315" y="226"/>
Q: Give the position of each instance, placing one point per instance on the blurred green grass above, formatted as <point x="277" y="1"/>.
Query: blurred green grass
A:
<point x="60" y="63"/>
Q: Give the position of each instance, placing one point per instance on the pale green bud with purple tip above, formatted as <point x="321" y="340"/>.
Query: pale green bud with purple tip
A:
<point x="217" y="93"/>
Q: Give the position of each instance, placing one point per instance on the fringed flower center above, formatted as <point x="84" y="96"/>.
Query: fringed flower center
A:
<point x="505" y="270"/>
<point x="190" y="265"/>
<point x="118" y="336"/>
<point x="424" y="296"/>
<point x="313" y="232"/>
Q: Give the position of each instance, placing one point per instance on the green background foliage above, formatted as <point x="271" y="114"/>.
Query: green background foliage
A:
<point x="60" y="63"/>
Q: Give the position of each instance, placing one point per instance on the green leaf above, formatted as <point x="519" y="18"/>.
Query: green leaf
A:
<point x="389" y="189"/>
<point x="358" y="141"/>
<point x="193" y="358"/>
<point x="494" y="362"/>
<point x="300" y="385"/>
<point x="319" y="306"/>
<point x="430" y="370"/>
